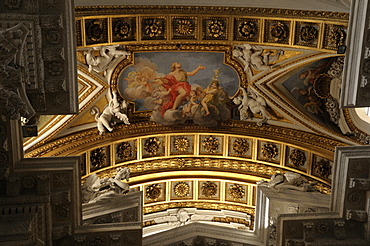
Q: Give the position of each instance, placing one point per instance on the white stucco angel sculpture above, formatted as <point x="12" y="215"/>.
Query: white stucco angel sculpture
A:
<point x="116" y="109"/>
<point x="288" y="180"/>
<point x="251" y="103"/>
<point x="102" y="63"/>
<point x="252" y="56"/>
<point x="95" y="187"/>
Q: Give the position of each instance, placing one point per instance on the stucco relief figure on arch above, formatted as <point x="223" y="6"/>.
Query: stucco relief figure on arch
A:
<point x="250" y="103"/>
<point x="180" y="87"/>
<point x="112" y="113"/>
<point x="102" y="60"/>
<point x="256" y="58"/>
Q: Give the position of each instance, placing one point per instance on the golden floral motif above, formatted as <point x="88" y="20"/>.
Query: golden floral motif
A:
<point x="209" y="189"/>
<point x="337" y="36"/>
<point x="236" y="191"/>
<point x="279" y="31"/>
<point x="241" y="146"/>
<point x="153" y="191"/>
<point x="152" y="145"/>
<point x="181" y="144"/>
<point x="211" y="144"/>
<point x="121" y="29"/>
<point x="308" y="34"/>
<point x="247" y="29"/>
<point x="269" y="151"/>
<point x="322" y="168"/>
<point x="216" y="28"/>
<point x="124" y="150"/>
<point x="95" y="29"/>
<point x="153" y="27"/>
<point x="98" y="158"/>
<point x="184" y="27"/>
<point x="297" y="157"/>
<point x="181" y="189"/>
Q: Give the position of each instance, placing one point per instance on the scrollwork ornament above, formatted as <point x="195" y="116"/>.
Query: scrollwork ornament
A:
<point x="236" y="191"/>
<point x="269" y="151"/>
<point x="279" y="31"/>
<point x="181" y="144"/>
<point x="216" y="28"/>
<point x="308" y="34"/>
<point x="209" y="189"/>
<point x="241" y="146"/>
<point x="153" y="191"/>
<point x="247" y="29"/>
<point x="211" y="144"/>
<point x="297" y="158"/>
<point x="153" y="27"/>
<point x="181" y="189"/>
<point x="323" y="168"/>
<point x="152" y="145"/>
<point x="184" y="27"/>
<point x="124" y="150"/>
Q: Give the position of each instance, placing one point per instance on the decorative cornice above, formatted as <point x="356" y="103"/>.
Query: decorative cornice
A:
<point x="239" y="11"/>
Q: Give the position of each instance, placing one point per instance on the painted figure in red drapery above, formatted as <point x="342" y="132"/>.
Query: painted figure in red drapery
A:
<point x="177" y="82"/>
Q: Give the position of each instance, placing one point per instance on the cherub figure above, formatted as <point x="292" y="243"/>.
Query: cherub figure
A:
<point x="102" y="63"/>
<point x="193" y="101"/>
<point x="253" y="57"/>
<point x="250" y="101"/>
<point x="209" y="93"/>
<point x="116" y="109"/>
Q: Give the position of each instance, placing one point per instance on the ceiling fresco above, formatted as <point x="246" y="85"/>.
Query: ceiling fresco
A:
<point x="202" y="103"/>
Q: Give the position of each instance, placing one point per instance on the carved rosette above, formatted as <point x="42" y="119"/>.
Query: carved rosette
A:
<point x="153" y="191"/>
<point x="153" y="28"/>
<point x="123" y="29"/>
<point x="279" y="31"/>
<point x="181" y="144"/>
<point x="308" y="34"/>
<point x="211" y="145"/>
<point x="241" y="146"/>
<point x="247" y="29"/>
<point x="124" y="150"/>
<point x="98" y="158"/>
<point x="209" y="189"/>
<point x="269" y="151"/>
<point x="322" y="227"/>
<point x="322" y="168"/>
<point x="297" y="157"/>
<point x="236" y="191"/>
<point x="184" y="27"/>
<point x="152" y="145"/>
<point x="215" y="28"/>
<point x="181" y="189"/>
<point x="96" y="31"/>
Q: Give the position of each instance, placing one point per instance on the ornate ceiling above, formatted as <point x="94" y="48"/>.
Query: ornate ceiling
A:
<point x="183" y="158"/>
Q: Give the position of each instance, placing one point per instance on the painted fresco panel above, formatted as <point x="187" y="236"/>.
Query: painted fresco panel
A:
<point x="180" y="87"/>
